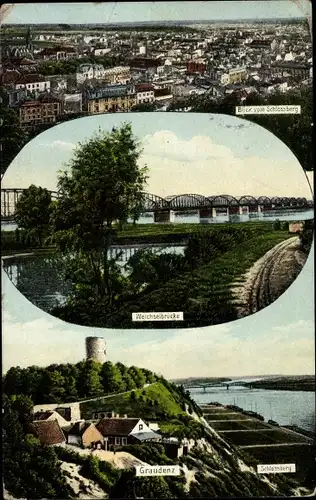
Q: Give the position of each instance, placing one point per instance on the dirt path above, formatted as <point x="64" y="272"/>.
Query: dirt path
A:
<point x="269" y="277"/>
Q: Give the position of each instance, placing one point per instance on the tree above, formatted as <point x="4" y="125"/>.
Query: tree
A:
<point x="129" y="486"/>
<point x="146" y="106"/>
<point x="294" y="130"/>
<point x="33" y="212"/>
<point x="30" y="470"/>
<point x="52" y="386"/>
<point x="89" y="380"/>
<point x="111" y="378"/>
<point x="137" y="375"/>
<point x="101" y="187"/>
<point x="277" y="225"/>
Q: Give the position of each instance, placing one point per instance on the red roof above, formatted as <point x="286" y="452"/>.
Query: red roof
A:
<point x="9" y="76"/>
<point x="143" y="87"/>
<point x="48" y="98"/>
<point x="48" y="432"/>
<point x="117" y="426"/>
<point x="145" y="62"/>
<point x="31" y="78"/>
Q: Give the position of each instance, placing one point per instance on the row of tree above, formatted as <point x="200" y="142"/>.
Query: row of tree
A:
<point x="70" y="382"/>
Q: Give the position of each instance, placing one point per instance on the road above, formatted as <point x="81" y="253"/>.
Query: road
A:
<point x="114" y="394"/>
<point x="270" y="276"/>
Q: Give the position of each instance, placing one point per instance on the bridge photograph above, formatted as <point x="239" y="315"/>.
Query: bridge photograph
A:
<point x="100" y="193"/>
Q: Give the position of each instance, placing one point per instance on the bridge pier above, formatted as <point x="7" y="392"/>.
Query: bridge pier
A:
<point x="162" y="217"/>
<point x="205" y="213"/>
<point x="221" y="211"/>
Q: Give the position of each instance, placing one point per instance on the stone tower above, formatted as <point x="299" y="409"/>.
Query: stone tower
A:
<point x="95" y="349"/>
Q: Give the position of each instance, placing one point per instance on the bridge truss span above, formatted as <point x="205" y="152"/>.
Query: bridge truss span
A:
<point x="152" y="203"/>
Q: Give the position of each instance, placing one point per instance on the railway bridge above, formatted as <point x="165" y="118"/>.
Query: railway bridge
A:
<point x="207" y="206"/>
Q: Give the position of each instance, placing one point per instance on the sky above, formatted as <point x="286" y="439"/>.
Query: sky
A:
<point x="207" y="154"/>
<point x="113" y="12"/>
<point x="277" y="340"/>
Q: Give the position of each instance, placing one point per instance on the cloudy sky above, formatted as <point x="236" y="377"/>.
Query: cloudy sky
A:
<point x="277" y="340"/>
<point x="113" y="12"/>
<point x="205" y="154"/>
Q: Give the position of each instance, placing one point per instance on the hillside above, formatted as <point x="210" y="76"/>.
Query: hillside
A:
<point x="151" y="401"/>
<point x="286" y="383"/>
<point x="210" y="466"/>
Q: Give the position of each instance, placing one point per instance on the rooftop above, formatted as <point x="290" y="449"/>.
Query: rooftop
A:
<point x="117" y="426"/>
<point x="48" y="432"/>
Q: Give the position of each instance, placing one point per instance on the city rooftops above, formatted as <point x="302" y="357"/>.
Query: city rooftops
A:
<point x="144" y="87"/>
<point x="51" y="51"/>
<point x="31" y="78"/>
<point x="145" y="62"/>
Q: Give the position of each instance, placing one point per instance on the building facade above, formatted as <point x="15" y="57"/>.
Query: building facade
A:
<point x="33" y="83"/>
<point x="89" y="72"/>
<point x="236" y="75"/>
<point x="145" y="93"/>
<point x="111" y="98"/>
<point x="117" y="75"/>
<point x="40" y="111"/>
<point x="196" y="66"/>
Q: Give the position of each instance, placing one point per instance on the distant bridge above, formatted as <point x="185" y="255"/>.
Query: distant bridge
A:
<point x="209" y="385"/>
<point x="207" y="206"/>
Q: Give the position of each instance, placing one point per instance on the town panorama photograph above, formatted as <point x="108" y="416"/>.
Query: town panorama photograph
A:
<point x="157" y="250"/>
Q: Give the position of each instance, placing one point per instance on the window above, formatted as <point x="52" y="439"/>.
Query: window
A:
<point x="140" y="427"/>
<point x="124" y="441"/>
<point x="117" y="440"/>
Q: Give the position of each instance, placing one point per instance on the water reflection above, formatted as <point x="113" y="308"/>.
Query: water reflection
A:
<point x="40" y="277"/>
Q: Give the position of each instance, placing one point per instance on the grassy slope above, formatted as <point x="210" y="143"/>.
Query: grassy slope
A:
<point x="139" y="230"/>
<point x="215" y="278"/>
<point x="122" y="403"/>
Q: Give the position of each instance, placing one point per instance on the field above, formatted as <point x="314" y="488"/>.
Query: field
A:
<point x="238" y="426"/>
<point x="262" y="437"/>
<point x="145" y="230"/>
<point x="224" y="416"/>
<point x="204" y="294"/>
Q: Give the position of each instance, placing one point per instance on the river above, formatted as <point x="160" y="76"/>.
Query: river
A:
<point x="285" y="407"/>
<point x="193" y="217"/>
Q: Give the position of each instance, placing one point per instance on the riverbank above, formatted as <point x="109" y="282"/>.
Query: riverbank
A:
<point x="150" y="233"/>
<point x="203" y="292"/>
<point x="262" y="441"/>
<point x="303" y="383"/>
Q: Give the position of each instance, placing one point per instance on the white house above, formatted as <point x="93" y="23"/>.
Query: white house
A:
<point x="89" y="72"/>
<point x="144" y="93"/>
<point x="101" y="52"/>
<point x="33" y="83"/>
